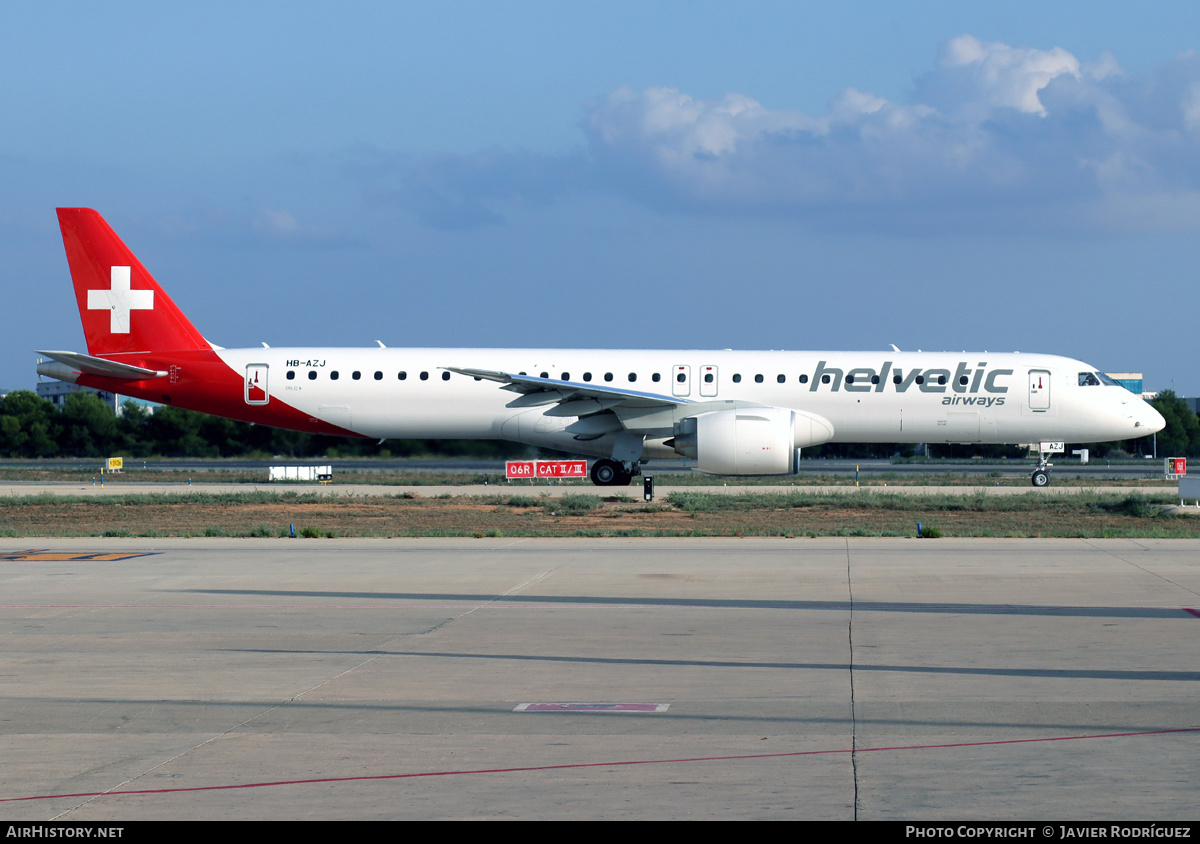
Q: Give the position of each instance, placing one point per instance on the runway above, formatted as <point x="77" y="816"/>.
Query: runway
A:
<point x="803" y="678"/>
<point x="553" y="490"/>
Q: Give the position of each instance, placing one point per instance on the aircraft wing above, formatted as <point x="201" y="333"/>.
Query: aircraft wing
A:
<point x="573" y="398"/>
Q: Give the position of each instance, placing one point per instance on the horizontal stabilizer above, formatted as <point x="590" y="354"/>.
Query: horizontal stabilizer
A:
<point x="102" y="367"/>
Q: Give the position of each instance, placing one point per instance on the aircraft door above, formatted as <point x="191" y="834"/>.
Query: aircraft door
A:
<point x="256" y="384"/>
<point x="681" y="381"/>
<point x="708" y="381"/>
<point x="1039" y="389"/>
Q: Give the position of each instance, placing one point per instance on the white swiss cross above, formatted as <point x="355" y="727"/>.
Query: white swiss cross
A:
<point x="120" y="300"/>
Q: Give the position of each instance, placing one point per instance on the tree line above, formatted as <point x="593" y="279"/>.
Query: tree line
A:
<point x="31" y="426"/>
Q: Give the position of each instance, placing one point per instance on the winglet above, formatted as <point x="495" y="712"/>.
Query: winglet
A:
<point x="120" y="304"/>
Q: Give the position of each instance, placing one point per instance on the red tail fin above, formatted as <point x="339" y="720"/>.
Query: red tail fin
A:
<point x="121" y="305"/>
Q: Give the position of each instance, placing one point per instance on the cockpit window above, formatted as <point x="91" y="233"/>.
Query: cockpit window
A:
<point x="1088" y="379"/>
<point x="1104" y="379"/>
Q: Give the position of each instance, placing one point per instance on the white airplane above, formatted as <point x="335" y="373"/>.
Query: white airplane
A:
<point x="732" y="412"/>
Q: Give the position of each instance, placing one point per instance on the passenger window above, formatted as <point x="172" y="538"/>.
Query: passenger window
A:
<point x="824" y="379"/>
<point x="708" y="378"/>
<point x="587" y="376"/>
<point x="737" y="378"/>
<point x="681" y="378"/>
<point x="378" y="376"/>
<point x="656" y="378"/>
<point x="920" y="379"/>
<point x="632" y="377"/>
<point x="445" y="376"/>
<point x="962" y="379"/>
<point x="333" y="376"/>
<point x="291" y="376"/>
<point x="402" y="375"/>
<point x="424" y="376"/>
<point x="803" y="379"/>
<point x="849" y="379"/>
<point x="875" y="379"/>
<point x="566" y="376"/>
<point x="356" y="375"/>
<point x="608" y="376"/>
<point x="544" y="375"/>
<point x="312" y="375"/>
<point x="781" y="378"/>
<point x="941" y="379"/>
<point x="896" y="379"/>
<point x="757" y="379"/>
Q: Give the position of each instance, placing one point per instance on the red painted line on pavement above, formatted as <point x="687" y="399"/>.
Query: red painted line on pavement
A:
<point x="1192" y="611"/>
<point x="580" y="765"/>
<point x="243" y="607"/>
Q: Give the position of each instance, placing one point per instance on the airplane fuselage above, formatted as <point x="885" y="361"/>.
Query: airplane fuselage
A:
<point x="902" y="397"/>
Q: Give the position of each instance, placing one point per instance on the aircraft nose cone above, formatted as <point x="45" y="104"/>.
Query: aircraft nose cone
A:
<point x="1149" y="421"/>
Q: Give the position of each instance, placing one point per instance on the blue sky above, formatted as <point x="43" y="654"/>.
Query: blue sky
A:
<point x="683" y="175"/>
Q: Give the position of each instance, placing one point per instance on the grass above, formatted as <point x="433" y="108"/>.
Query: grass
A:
<point x="791" y="513"/>
<point x="571" y="505"/>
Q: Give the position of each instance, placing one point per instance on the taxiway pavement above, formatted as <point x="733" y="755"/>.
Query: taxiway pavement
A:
<point x="803" y="678"/>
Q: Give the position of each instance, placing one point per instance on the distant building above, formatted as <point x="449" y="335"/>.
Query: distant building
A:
<point x="57" y="392"/>
<point x="1131" y="381"/>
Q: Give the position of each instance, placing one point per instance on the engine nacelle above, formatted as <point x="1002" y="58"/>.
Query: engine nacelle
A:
<point x="749" y="440"/>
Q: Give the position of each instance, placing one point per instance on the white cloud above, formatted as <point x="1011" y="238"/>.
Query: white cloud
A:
<point x="275" y="223"/>
<point x="993" y="137"/>
<point x="279" y="225"/>
<point x="995" y="75"/>
<point x="1191" y="107"/>
<point x="676" y="125"/>
<point x="994" y="134"/>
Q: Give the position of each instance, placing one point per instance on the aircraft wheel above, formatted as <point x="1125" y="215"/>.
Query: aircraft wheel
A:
<point x="606" y="473"/>
<point x="1040" y="478"/>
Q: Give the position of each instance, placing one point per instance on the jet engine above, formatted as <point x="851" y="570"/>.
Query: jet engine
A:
<point x="749" y="440"/>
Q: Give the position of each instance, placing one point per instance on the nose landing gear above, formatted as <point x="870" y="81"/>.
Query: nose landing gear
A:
<point x="1041" y="472"/>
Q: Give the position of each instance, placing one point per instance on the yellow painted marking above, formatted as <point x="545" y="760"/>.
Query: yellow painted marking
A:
<point x="38" y="555"/>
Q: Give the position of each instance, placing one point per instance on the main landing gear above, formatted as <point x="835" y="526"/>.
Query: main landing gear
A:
<point x="606" y="472"/>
